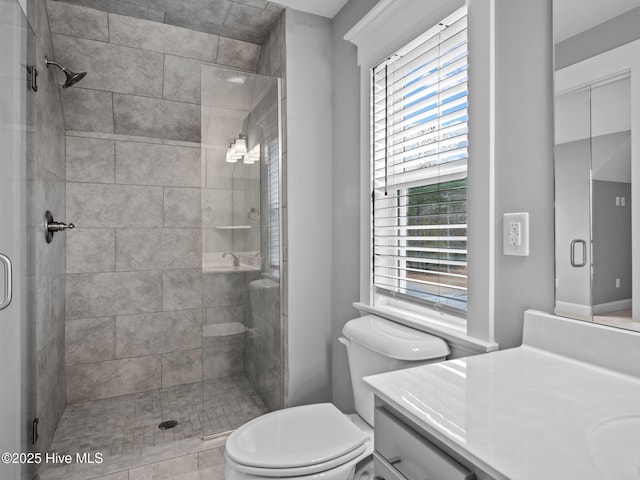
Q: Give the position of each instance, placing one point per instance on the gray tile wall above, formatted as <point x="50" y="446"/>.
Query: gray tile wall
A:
<point x="247" y="20"/>
<point x="134" y="287"/>
<point x="143" y="76"/>
<point x="46" y="190"/>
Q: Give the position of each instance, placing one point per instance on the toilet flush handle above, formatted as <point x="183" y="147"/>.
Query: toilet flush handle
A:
<point x="345" y="341"/>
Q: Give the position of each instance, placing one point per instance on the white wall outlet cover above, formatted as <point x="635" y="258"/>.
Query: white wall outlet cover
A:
<point x="515" y="234"/>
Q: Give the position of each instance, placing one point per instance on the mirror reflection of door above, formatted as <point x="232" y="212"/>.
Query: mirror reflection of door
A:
<point x="593" y="203"/>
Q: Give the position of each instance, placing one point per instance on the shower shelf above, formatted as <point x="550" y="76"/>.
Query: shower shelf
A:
<point x="233" y="227"/>
<point x="223" y="329"/>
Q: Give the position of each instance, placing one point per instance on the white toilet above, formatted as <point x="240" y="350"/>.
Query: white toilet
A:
<point x="318" y="441"/>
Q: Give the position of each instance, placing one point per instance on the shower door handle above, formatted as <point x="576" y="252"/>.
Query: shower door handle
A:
<point x="574" y="263"/>
<point x="8" y="278"/>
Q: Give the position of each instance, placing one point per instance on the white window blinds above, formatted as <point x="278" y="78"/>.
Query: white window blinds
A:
<point x="419" y="168"/>
<point x="274" y="207"/>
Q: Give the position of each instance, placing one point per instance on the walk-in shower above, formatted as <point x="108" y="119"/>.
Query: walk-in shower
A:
<point x="216" y="331"/>
<point x="154" y="323"/>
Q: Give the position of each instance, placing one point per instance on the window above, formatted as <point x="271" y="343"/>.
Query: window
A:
<point x="419" y="169"/>
<point x="273" y="192"/>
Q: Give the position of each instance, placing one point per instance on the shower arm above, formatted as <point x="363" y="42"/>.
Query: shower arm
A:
<point x="51" y="62"/>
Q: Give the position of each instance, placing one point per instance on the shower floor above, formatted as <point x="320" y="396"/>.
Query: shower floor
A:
<point x="127" y="426"/>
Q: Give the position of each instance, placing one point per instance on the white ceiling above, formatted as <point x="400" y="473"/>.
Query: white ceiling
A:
<point x="571" y="17"/>
<point x="324" y="8"/>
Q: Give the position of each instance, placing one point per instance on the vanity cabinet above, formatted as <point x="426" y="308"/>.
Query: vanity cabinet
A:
<point x="404" y="451"/>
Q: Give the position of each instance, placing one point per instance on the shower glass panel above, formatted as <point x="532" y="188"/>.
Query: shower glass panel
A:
<point x="242" y="333"/>
<point x="17" y="331"/>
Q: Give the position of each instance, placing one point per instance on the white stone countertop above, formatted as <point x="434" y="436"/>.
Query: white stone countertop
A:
<point x="525" y="413"/>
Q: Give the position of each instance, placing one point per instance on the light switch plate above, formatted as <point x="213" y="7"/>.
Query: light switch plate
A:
<point x="515" y="234"/>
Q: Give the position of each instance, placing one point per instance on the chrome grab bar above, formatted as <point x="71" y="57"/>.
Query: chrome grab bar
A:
<point x="8" y="278"/>
<point x="573" y="253"/>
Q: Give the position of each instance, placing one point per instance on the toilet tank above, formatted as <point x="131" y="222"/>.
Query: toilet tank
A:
<point x="376" y="345"/>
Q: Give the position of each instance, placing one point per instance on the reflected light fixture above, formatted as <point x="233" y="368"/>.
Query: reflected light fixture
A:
<point x="252" y="156"/>
<point x="238" y="150"/>
<point x="241" y="144"/>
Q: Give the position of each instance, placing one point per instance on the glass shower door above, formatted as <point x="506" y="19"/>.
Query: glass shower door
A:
<point x="242" y="333"/>
<point x="16" y="339"/>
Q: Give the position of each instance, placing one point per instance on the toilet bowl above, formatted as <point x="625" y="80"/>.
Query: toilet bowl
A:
<point x="318" y="441"/>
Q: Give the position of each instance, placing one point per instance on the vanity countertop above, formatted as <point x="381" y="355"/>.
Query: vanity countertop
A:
<point x="525" y="413"/>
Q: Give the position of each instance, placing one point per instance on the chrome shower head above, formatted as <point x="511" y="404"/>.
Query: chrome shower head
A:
<point x="72" y="77"/>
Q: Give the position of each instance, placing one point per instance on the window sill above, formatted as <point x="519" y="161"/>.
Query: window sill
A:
<point x="455" y="335"/>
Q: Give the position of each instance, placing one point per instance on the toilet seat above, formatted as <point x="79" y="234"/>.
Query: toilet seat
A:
<point x="295" y="442"/>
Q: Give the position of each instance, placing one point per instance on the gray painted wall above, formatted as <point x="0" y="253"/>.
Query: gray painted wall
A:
<point x="309" y="150"/>
<point x="511" y="166"/>
<point x="346" y="193"/>
<point x="611" y="242"/>
<point x="601" y="38"/>
<point x="523" y="161"/>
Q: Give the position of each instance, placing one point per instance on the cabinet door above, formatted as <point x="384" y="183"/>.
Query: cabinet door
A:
<point x="411" y="455"/>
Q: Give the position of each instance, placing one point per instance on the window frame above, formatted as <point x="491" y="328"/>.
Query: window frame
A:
<point x="394" y="295"/>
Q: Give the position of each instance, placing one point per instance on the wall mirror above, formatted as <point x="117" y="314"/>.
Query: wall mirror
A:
<point x="597" y="168"/>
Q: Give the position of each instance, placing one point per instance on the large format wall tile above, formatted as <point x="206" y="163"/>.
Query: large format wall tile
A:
<point x="91" y="250"/>
<point x="250" y="23"/>
<point x="222" y="360"/>
<point x="223" y="289"/>
<point x="91" y="340"/>
<point x="112" y="378"/>
<point x="90" y="160"/>
<point x="181" y="79"/>
<point x="218" y="173"/>
<point x="226" y="88"/>
<point x="152" y="117"/>
<point x="181" y="367"/>
<point x="50" y="390"/>
<point x="49" y="257"/>
<point x="77" y="21"/>
<point x="233" y="313"/>
<point x="87" y="110"/>
<point x="162" y="38"/>
<point x="149" y="164"/>
<point x="219" y="241"/>
<point x="149" y="249"/>
<point x="112" y="68"/>
<point x="118" y="293"/>
<point x="182" y="207"/>
<point x="49" y="135"/>
<point x="122" y="7"/>
<point x="181" y="289"/>
<point x="158" y="333"/>
<point x="216" y="208"/>
<point x="236" y="53"/>
<point x="97" y="205"/>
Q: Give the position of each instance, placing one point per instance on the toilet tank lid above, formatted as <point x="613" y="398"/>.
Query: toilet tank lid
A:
<point x="394" y="340"/>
